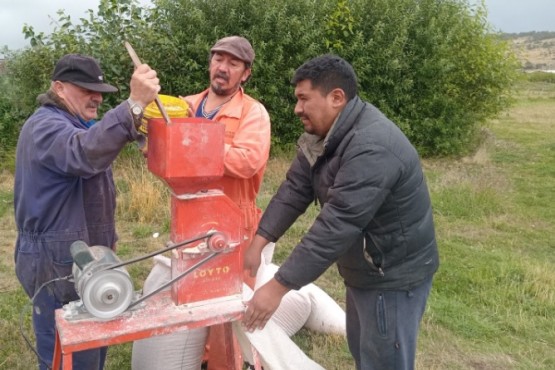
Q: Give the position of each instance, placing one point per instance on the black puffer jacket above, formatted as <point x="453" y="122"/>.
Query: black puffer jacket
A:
<point x="376" y="217"/>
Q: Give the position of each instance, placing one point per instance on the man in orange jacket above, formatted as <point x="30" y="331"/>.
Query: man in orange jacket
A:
<point x="247" y="146"/>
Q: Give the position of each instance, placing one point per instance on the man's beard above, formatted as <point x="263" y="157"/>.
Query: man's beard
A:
<point x="220" y="91"/>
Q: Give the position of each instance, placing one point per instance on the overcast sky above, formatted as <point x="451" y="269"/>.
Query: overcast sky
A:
<point x="510" y="16"/>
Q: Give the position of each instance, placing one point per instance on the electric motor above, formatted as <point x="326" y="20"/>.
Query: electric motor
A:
<point x="105" y="292"/>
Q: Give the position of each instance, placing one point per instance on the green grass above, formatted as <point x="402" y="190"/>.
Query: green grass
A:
<point x="494" y="294"/>
<point x="6" y="199"/>
<point x="493" y="300"/>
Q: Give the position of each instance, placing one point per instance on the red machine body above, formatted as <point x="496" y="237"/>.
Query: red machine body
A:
<point x="188" y="156"/>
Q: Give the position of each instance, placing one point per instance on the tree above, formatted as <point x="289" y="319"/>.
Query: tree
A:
<point x="432" y="66"/>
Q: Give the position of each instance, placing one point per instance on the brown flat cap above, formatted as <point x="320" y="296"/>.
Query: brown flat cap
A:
<point x="237" y="46"/>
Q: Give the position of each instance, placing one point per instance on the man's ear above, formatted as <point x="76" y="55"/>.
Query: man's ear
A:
<point x="246" y="76"/>
<point x="58" y="88"/>
<point x="338" y="98"/>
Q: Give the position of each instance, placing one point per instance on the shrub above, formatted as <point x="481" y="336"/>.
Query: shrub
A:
<point x="283" y="33"/>
<point x="11" y="119"/>
<point x="432" y="66"/>
<point x="539" y="76"/>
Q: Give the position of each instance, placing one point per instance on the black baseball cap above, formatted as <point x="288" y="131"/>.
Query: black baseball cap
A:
<point x="83" y="71"/>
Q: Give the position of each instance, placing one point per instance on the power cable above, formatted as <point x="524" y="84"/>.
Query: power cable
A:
<point x="31" y="304"/>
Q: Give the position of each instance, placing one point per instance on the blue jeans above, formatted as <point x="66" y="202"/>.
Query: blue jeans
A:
<point x="382" y="326"/>
<point x="44" y="324"/>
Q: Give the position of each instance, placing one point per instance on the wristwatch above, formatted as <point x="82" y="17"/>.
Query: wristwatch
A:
<point x="136" y="111"/>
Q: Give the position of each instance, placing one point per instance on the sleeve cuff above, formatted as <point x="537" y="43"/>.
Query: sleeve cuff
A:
<point x="285" y="283"/>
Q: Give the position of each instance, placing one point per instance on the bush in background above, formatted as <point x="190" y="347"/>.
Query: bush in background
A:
<point x="539" y="76"/>
<point x="432" y="66"/>
<point x="284" y="34"/>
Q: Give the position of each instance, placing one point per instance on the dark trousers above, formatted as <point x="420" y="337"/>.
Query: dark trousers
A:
<point x="382" y="326"/>
<point x="44" y="324"/>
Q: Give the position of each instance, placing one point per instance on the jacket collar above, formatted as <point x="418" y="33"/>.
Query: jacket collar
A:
<point x="50" y="98"/>
<point x="345" y="122"/>
<point x="314" y="146"/>
<point x="232" y="108"/>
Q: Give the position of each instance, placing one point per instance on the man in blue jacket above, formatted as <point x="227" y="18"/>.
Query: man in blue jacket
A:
<point x="375" y="220"/>
<point x="64" y="190"/>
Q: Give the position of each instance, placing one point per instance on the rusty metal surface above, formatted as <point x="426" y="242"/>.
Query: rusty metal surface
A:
<point x="158" y="316"/>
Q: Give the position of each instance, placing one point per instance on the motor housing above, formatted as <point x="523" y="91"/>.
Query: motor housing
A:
<point x="105" y="292"/>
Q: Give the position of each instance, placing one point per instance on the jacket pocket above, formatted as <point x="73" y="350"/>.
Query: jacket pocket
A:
<point x="373" y="255"/>
<point x="26" y="266"/>
<point x="386" y="250"/>
<point x="61" y="264"/>
<point x="381" y="317"/>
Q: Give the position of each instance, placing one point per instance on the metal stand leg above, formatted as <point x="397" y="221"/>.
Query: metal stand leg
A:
<point x="57" y="358"/>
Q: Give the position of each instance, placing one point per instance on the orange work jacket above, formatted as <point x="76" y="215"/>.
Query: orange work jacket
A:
<point x="247" y="148"/>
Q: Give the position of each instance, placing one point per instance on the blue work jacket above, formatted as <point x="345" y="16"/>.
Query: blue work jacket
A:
<point x="64" y="190"/>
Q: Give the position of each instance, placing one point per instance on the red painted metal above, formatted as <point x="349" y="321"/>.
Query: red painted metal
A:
<point x="188" y="156"/>
<point x="157" y="316"/>
<point x="222" y="275"/>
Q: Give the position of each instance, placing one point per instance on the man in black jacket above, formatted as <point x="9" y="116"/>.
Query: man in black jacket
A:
<point x="375" y="220"/>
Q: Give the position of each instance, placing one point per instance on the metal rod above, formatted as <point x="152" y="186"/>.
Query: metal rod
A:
<point x="137" y="62"/>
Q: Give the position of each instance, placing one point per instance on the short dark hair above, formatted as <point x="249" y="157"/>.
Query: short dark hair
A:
<point x="328" y="72"/>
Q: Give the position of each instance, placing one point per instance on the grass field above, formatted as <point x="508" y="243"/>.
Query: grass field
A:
<point x="493" y="301"/>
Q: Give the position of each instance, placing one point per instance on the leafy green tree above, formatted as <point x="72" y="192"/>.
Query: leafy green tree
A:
<point x="432" y="66"/>
<point x="283" y="33"/>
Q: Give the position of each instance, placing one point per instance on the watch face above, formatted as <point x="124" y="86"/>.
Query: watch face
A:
<point x="136" y="110"/>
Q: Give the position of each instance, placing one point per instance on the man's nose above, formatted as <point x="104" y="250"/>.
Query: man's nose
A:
<point x="97" y="97"/>
<point x="223" y="67"/>
<point x="298" y="109"/>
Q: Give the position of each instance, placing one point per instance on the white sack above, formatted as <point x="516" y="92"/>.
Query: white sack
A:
<point x="276" y="351"/>
<point x="182" y="350"/>
<point x="326" y="316"/>
<point x="309" y="306"/>
<point x="295" y="307"/>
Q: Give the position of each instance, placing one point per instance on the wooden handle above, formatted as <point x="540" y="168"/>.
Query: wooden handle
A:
<point x="137" y="62"/>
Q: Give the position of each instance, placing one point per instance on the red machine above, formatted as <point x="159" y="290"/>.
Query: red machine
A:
<point x="188" y="156"/>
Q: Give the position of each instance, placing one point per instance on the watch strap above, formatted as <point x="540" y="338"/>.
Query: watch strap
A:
<point x="136" y="111"/>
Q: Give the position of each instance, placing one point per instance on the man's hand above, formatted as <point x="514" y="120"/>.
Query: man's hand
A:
<point x="263" y="304"/>
<point x="251" y="259"/>
<point x="144" y="85"/>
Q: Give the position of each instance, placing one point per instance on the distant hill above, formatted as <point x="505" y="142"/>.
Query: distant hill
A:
<point x="535" y="50"/>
